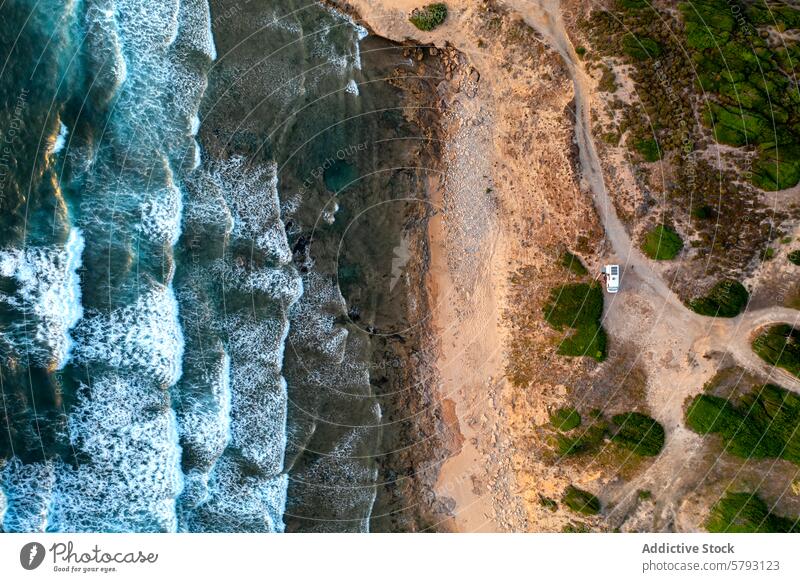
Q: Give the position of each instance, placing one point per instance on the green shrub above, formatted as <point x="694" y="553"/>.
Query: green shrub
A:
<point x="649" y="149"/>
<point x="703" y="212"/>
<point x="633" y="4"/>
<point x="747" y="513"/>
<point x="578" y="308"/>
<point x="576" y="527"/>
<point x="779" y="345"/>
<point x="748" y="84"/>
<point x="429" y="17"/>
<point x="662" y="243"/>
<point x="608" y="81"/>
<point x="769" y="254"/>
<point x="565" y="418"/>
<point x="764" y="424"/>
<point x="548" y="503"/>
<point x="794" y="257"/>
<point x="573" y="263"/>
<point x="640" y="48"/>
<point x="581" y="441"/>
<point x="639" y="433"/>
<point x="726" y="299"/>
<point x="581" y="501"/>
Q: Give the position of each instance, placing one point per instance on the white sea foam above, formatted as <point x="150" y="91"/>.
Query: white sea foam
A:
<point x="282" y="284"/>
<point x="195" y="127"/>
<point x="146" y="25"/>
<point x="144" y="336"/>
<point x="61" y="139"/>
<point x="48" y="292"/>
<point x="161" y="86"/>
<point x="28" y="490"/>
<point x="352" y="87"/>
<point x="251" y="195"/>
<point x="195" y="30"/>
<point x="313" y="319"/>
<point x="258" y="392"/>
<point x="3" y="502"/>
<point x="239" y="501"/>
<point x="360" y="34"/>
<point x="196" y="157"/>
<point x="205" y="424"/>
<point x="127" y="432"/>
<point x="104" y="43"/>
<point x="161" y="214"/>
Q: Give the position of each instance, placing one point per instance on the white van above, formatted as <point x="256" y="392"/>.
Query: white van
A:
<point x="612" y="278"/>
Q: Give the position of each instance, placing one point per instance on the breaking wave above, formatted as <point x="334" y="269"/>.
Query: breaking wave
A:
<point x="47" y="297"/>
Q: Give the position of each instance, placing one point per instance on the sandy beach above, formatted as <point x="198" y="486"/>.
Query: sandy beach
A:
<point x="509" y="199"/>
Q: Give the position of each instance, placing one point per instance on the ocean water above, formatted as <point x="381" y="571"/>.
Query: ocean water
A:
<point x="182" y="337"/>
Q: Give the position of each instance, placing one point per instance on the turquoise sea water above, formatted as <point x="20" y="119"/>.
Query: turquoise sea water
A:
<point x="153" y="275"/>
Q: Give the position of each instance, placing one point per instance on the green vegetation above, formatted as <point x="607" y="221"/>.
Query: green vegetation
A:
<point x="712" y="56"/>
<point x="573" y="263"/>
<point x="580" y="441"/>
<point x="763" y="424"/>
<point x="779" y="345"/>
<point x="754" y="103"/>
<point x="640" y="48"/>
<point x="644" y="494"/>
<point x="703" y="212"/>
<point x="548" y="503"/>
<point x="725" y="299"/>
<point x="565" y="418"/>
<point x="648" y="148"/>
<point x="634" y="4"/>
<point x="576" y="527"/>
<point x="580" y="50"/>
<point x="638" y="432"/>
<point x="769" y="254"/>
<point x="429" y="17"/>
<point x="662" y="243"/>
<point x="794" y="257"/>
<point x="747" y="513"/>
<point x="578" y="307"/>
<point x="608" y="81"/>
<point x="581" y="501"/>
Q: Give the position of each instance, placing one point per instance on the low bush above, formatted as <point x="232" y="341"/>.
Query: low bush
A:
<point x="703" y="212"/>
<point x="640" y="48"/>
<point x="573" y="263"/>
<point x="565" y="418"/>
<point x="639" y="433"/>
<point x="429" y="17"/>
<point x="725" y="299"/>
<point x="747" y="513"/>
<point x="578" y="307"/>
<point x="662" y="243"/>
<point x="763" y="424"/>
<point x="585" y="440"/>
<point x="649" y="149"/>
<point x="548" y="503"/>
<point x="581" y="501"/>
<point x="794" y="257"/>
<point x="779" y="345"/>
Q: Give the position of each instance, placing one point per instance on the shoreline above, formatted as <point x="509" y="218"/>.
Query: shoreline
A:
<point x="483" y="233"/>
